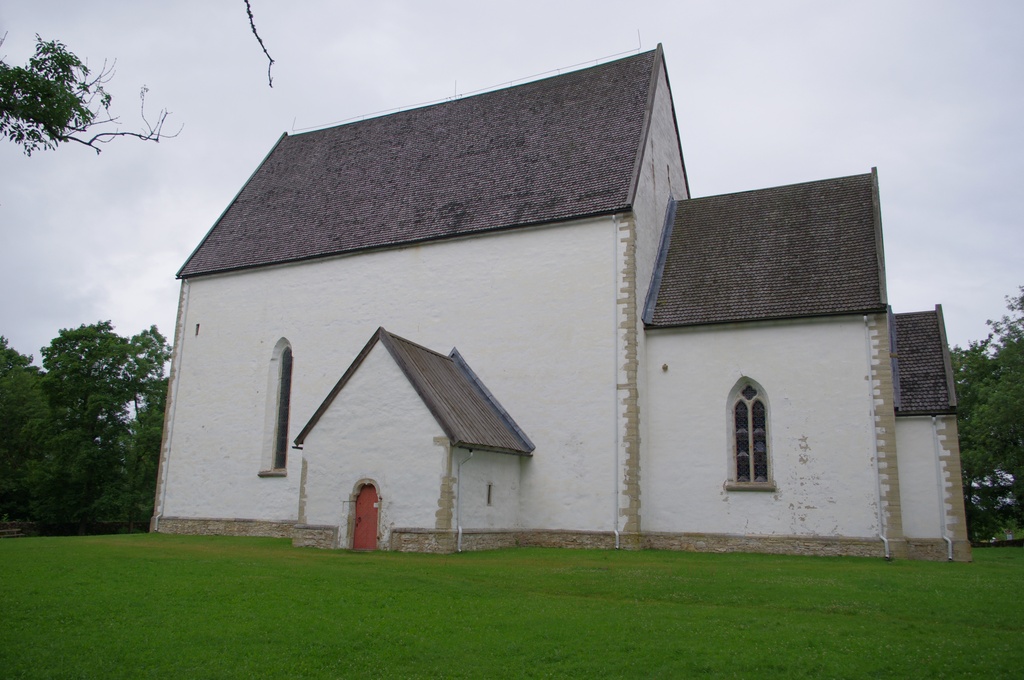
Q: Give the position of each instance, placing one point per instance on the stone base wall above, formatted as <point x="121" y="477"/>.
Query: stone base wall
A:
<point x="444" y="541"/>
<point x="314" y="536"/>
<point x="224" y="527"/>
<point x="776" y="545"/>
<point x="433" y="541"/>
<point x="937" y="550"/>
<point x="422" y="540"/>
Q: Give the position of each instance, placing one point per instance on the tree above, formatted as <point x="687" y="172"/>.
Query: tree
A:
<point x="22" y="412"/>
<point x="105" y="394"/>
<point x="990" y="395"/>
<point x="56" y="98"/>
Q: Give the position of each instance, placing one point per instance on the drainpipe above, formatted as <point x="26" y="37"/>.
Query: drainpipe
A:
<point x="942" y="498"/>
<point x="458" y="499"/>
<point x="874" y="441"/>
<point x="615" y="382"/>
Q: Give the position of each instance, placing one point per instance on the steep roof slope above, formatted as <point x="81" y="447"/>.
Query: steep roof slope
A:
<point x="799" y="250"/>
<point x="922" y="364"/>
<point x="553" y="149"/>
<point x="465" y="409"/>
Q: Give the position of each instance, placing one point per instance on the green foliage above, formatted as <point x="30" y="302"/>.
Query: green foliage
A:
<point x="195" y="606"/>
<point x="56" y="98"/>
<point x="43" y="103"/>
<point x="106" y="396"/>
<point x="990" y="395"/>
<point x="80" y="442"/>
<point x="22" y="413"/>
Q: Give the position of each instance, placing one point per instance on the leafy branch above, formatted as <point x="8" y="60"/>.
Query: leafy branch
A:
<point x="56" y="98"/>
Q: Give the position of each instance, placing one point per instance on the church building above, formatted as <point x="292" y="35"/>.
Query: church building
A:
<point x="503" y="321"/>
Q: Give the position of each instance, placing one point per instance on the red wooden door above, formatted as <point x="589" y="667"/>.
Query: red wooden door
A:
<point x="365" y="537"/>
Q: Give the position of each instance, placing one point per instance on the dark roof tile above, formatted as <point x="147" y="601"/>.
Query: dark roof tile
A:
<point x="799" y="250"/>
<point x="922" y="363"/>
<point x="467" y="412"/>
<point x="553" y="149"/>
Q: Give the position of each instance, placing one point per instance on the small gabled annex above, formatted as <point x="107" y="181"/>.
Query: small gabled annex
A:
<point x="400" y="415"/>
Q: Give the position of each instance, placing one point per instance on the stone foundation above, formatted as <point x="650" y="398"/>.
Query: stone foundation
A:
<point x="433" y="541"/>
<point x="825" y="546"/>
<point x="313" y="536"/>
<point x="937" y="550"/>
<point x="445" y="541"/>
<point x="224" y="527"/>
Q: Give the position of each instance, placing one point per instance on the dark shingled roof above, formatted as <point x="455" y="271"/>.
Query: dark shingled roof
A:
<point x="799" y="250"/>
<point x="922" y="364"/>
<point x="554" y="149"/>
<point x="467" y="412"/>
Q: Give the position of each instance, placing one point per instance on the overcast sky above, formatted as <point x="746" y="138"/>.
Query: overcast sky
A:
<point x="766" y="94"/>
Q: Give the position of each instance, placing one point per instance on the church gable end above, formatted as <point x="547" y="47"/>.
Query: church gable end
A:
<point x="462" y="406"/>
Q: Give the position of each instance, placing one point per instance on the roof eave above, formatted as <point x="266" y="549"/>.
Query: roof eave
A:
<point x="405" y="244"/>
<point x="927" y="412"/>
<point x="493" y="449"/>
<point x="788" y="317"/>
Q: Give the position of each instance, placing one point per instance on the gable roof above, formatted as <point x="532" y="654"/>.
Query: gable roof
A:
<point x="800" y="250"/>
<point x="560" y="148"/>
<point x="465" y="409"/>
<point x="921" y="358"/>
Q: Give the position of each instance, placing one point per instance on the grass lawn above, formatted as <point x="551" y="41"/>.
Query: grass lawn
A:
<point x="212" y="607"/>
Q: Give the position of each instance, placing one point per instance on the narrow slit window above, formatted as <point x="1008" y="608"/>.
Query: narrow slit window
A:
<point x="490" y="491"/>
<point x="283" y="402"/>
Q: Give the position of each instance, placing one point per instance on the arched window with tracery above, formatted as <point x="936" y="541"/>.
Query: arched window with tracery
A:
<point x="750" y="436"/>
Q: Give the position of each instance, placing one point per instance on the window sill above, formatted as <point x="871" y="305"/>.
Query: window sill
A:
<point x="272" y="473"/>
<point x="750" y="486"/>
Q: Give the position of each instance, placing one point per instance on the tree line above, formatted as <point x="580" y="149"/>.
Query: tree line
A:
<point x="990" y="413"/>
<point x="80" y="437"/>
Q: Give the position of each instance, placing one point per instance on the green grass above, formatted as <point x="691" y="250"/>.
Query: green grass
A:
<point x="211" y="607"/>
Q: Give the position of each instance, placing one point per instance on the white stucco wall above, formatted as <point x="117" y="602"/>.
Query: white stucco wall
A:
<point x="814" y="373"/>
<point x="532" y="311"/>
<point x="921" y="478"/>
<point x="661" y="177"/>
<point x="502" y="472"/>
<point x="377" y="429"/>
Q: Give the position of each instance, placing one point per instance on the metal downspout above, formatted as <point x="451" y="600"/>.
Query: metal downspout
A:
<point x="615" y="382"/>
<point x="458" y="499"/>
<point x="874" y="441"/>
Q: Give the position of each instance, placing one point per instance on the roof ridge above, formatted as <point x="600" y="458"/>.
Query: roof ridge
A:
<point x="506" y="85"/>
<point x="791" y="185"/>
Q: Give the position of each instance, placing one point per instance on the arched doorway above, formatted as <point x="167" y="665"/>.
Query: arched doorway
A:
<point x="364" y="536"/>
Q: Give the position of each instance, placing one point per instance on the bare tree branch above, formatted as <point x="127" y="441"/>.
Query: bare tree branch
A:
<point x="252" y="23"/>
<point x="151" y="133"/>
